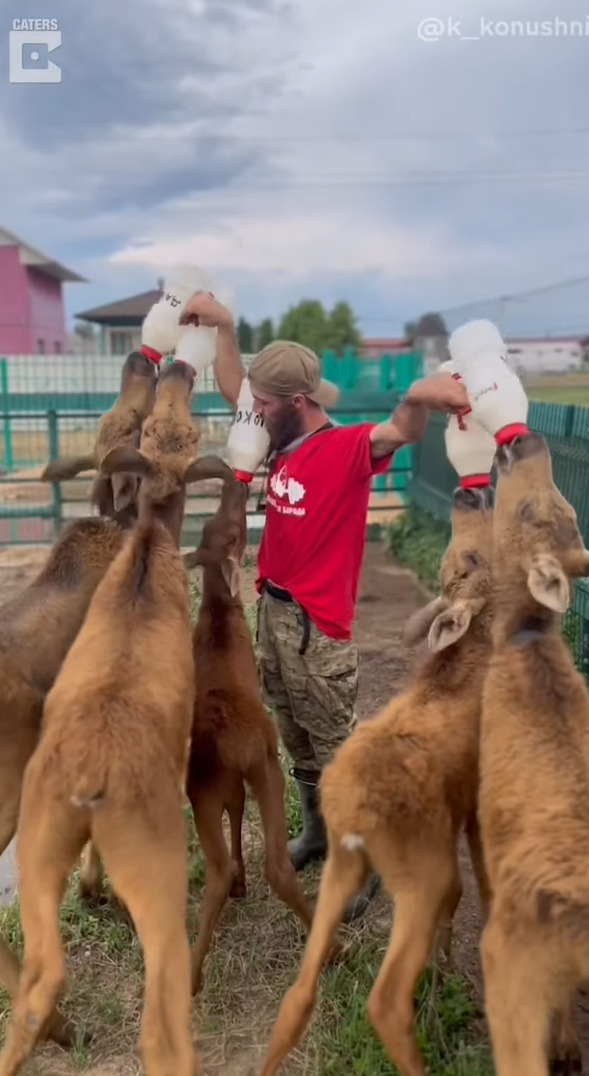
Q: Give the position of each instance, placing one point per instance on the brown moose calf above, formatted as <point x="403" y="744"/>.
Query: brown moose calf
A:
<point x="120" y="427"/>
<point x="534" y="795"/>
<point x="234" y="740"/>
<point x="111" y="759"/>
<point x="399" y="791"/>
<point x="36" y="631"/>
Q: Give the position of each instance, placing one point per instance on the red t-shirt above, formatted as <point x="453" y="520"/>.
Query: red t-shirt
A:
<point x="313" y="539"/>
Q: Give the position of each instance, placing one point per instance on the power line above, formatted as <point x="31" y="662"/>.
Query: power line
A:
<point x="433" y="179"/>
<point x="517" y="296"/>
<point x="414" y="136"/>
<point x="385" y="178"/>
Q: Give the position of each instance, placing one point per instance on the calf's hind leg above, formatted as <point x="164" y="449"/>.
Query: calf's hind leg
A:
<point x="146" y="860"/>
<point x="49" y="842"/>
<point x="343" y="875"/>
<point x="91" y="874"/>
<point x="57" y="1028"/>
<point x="519" y="997"/>
<point x="565" y="1050"/>
<point x="236" y="808"/>
<point x="208" y="806"/>
<point x="424" y="892"/>
<point x="268" y="784"/>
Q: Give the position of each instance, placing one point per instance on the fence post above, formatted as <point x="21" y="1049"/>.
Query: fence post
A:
<point x="53" y="438"/>
<point x="569" y="420"/>
<point x="384" y="373"/>
<point x="350" y="369"/>
<point x="330" y="366"/>
<point x="8" y="453"/>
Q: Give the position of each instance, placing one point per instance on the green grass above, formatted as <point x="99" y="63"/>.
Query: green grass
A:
<point x="419" y="541"/>
<point x="578" y="396"/>
<point x="344" y="1041"/>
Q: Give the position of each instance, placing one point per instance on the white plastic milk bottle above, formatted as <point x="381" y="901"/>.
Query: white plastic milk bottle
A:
<point x="469" y="446"/>
<point x="470" y="449"/>
<point x="197" y="346"/>
<point x="498" y="400"/>
<point x="162" y="331"/>
<point x="248" y="441"/>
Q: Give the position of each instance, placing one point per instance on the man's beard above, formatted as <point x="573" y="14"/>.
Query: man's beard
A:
<point x="286" y="426"/>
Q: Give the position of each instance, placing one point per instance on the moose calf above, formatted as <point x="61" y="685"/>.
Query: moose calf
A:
<point x="534" y="795"/>
<point x="111" y="759"/>
<point x="397" y="794"/>
<point x="36" y="631"/>
<point x="120" y="427"/>
<point x="234" y="740"/>
<point x="114" y="496"/>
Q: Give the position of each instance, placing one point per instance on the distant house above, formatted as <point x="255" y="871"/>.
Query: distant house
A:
<point x="120" y="322"/>
<point x="375" y="347"/>
<point x="32" y="314"/>
<point x="548" y="354"/>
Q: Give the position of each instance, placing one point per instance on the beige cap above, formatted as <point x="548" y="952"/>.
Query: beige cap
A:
<point x="284" y="368"/>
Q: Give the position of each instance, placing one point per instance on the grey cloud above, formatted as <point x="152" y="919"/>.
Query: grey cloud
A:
<point x="143" y="113"/>
<point x="130" y="66"/>
<point x="128" y="63"/>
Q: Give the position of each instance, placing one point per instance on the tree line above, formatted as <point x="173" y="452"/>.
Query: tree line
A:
<point x="308" y="323"/>
<point x="311" y="324"/>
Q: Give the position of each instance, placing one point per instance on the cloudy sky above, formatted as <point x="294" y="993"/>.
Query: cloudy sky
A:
<point x="310" y="148"/>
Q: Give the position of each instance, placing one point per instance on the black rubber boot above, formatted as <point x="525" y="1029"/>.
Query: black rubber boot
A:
<point x="359" y="904"/>
<point x="312" y="843"/>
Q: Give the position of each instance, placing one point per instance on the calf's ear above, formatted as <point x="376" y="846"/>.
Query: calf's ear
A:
<point x="419" y="624"/>
<point x="453" y="623"/>
<point x="126" y="459"/>
<point x="201" y="468"/>
<point x="548" y="584"/>
<point x="68" y="467"/>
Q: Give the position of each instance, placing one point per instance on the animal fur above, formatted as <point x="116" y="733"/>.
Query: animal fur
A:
<point x="534" y="796"/>
<point x="234" y="740"/>
<point x="397" y="794"/>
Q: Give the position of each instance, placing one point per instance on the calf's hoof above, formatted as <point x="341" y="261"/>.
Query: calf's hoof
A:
<point x="238" y="889"/>
<point x="59" y="1030"/>
<point x="570" y="1065"/>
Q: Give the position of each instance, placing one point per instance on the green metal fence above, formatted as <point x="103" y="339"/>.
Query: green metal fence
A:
<point x="50" y="407"/>
<point x="566" y="430"/>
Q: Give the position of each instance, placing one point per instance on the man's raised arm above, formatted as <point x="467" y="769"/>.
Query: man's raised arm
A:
<point x="407" y="424"/>
<point x="202" y="309"/>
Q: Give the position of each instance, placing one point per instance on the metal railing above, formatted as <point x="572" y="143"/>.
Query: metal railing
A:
<point x="33" y="512"/>
<point x="50" y="407"/>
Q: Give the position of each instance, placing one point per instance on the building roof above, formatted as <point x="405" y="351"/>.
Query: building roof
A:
<point x="35" y="259"/>
<point x="129" y="311"/>
<point x="125" y="311"/>
<point x="384" y="343"/>
<point x="547" y="339"/>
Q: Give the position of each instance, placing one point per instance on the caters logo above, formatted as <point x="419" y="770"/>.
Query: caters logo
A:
<point x="286" y="489"/>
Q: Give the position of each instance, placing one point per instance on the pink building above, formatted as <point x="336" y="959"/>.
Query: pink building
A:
<point x="32" y="315"/>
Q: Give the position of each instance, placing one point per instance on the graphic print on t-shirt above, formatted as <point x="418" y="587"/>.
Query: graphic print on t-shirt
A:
<point x="286" y="489"/>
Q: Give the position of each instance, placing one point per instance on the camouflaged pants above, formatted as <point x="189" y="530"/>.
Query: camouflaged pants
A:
<point x="312" y="695"/>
